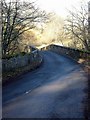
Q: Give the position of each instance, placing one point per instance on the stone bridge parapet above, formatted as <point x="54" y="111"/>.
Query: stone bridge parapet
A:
<point x="33" y="59"/>
<point x="70" y="52"/>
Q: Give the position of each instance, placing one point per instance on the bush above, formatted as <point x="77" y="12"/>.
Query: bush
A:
<point x="14" y="55"/>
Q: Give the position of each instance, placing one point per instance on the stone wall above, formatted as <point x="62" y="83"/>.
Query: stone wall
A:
<point x="35" y="57"/>
<point x="21" y="61"/>
<point x="73" y="53"/>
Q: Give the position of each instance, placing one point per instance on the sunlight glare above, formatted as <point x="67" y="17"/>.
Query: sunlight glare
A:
<point x="59" y="6"/>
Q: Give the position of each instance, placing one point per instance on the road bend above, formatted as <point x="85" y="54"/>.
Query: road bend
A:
<point x="54" y="90"/>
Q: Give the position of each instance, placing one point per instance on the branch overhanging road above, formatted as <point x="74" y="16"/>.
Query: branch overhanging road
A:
<point x="55" y="90"/>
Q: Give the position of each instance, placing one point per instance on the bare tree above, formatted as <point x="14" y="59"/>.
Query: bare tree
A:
<point x="53" y="31"/>
<point x="77" y="26"/>
<point x="18" y="17"/>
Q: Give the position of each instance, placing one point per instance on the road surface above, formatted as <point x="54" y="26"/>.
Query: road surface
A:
<point x="55" y="90"/>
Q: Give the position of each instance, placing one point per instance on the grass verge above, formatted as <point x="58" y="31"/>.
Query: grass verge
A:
<point x="11" y="76"/>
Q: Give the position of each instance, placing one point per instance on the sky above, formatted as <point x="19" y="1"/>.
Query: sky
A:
<point x="59" y="6"/>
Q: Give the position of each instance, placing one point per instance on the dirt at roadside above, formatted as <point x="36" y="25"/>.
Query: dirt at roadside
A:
<point x="86" y="66"/>
<point x="87" y="102"/>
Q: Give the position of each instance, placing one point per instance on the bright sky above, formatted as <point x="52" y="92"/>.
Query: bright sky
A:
<point x="58" y="6"/>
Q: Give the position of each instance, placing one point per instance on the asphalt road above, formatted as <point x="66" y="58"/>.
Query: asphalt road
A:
<point x="55" y="90"/>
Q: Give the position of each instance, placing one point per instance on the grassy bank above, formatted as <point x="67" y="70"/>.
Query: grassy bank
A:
<point x="11" y="76"/>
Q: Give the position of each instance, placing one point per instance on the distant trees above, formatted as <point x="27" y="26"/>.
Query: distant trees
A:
<point x="18" y="17"/>
<point x="53" y="31"/>
<point x="77" y="27"/>
<point x="28" y="38"/>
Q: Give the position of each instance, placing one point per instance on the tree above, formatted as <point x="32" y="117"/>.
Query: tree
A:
<point x="18" y="17"/>
<point x="53" y="31"/>
<point x="77" y="26"/>
<point x="28" y="38"/>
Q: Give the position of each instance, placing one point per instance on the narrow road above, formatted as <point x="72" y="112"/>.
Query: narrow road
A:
<point x="55" y="90"/>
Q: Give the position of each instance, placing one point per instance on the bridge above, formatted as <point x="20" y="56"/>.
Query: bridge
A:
<point x="54" y="90"/>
